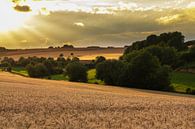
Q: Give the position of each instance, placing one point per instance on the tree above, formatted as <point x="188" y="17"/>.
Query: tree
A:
<point x="99" y="59"/>
<point x="146" y="72"/>
<point x="152" y="39"/>
<point x="76" y="72"/>
<point x="38" y="70"/>
<point x="61" y="61"/>
<point x="166" y="55"/>
<point x="23" y="62"/>
<point x="8" y="60"/>
<point x="111" y="72"/>
<point x="189" y="56"/>
<point x="75" y="59"/>
<point x="171" y="39"/>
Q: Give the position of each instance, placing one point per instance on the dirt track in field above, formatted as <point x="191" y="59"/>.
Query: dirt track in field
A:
<point x="27" y="103"/>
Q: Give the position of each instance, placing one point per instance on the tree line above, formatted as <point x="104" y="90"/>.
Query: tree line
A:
<point x="148" y="64"/>
<point x="145" y="64"/>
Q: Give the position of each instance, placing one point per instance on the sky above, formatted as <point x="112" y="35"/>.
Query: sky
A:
<point x="43" y="23"/>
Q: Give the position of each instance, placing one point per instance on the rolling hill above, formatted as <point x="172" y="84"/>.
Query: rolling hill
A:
<point x="27" y="103"/>
<point x="82" y="53"/>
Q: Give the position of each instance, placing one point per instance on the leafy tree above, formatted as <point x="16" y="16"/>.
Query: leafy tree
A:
<point x="23" y="62"/>
<point x="152" y="39"/>
<point x="99" y="59"/>
<point x="61" y="61"/>
<point x="188" y="56"/>
<point x="75" y="59"/>
<point x="166" y="55"/>
<point x="111" y="72"/>
<point x="38" y="70"/>
<point x="8" y="60"/>
<point x="146" y="72"/>
<point x="76" y="72"/>
<point x="171" y="39"/>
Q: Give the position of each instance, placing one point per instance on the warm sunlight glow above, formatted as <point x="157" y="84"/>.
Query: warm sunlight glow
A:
<point x="11" y="19"/>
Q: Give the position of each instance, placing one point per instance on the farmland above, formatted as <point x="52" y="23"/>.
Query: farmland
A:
<point x="82" y="53"/>
<point x="34" y="103"/>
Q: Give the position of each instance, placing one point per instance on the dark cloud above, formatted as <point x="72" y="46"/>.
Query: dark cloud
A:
<point x="22" y="8"/>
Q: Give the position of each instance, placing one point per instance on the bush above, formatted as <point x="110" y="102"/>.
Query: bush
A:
<point x="76" y="72"/>
<point x="38" y="70"/>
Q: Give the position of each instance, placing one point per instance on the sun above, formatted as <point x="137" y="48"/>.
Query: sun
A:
<point x="11" y="19"/>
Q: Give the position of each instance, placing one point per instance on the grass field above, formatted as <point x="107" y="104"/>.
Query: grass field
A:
<point x="91" y="77"/>
<point x="20" y="70"/>
<point x="59" y="77"/>
<point x="27" y="103"/>
<point x="181" y="81"/>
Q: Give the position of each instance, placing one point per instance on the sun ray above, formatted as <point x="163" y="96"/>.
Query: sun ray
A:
<point x="10" y="18"/>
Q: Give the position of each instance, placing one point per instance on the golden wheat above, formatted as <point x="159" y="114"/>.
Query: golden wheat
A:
<point x="27" y="103"/>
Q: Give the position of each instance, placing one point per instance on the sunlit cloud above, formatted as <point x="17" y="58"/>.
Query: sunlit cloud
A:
<point x="91" y="22"/>
<point x="168" y="19"/>
<point x="79" y="24"/>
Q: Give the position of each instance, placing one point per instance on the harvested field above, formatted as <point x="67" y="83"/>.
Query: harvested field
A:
<point x="27" y="103"/>
<point x="82" y="53"/>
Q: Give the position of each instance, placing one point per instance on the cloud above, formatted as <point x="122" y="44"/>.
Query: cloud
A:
<point x="22" y="8"/>
<point x="168" y="19"/>
<point x="79" y="24"/>
<point x="191" y="5"/>
<point x="105" y="22"/>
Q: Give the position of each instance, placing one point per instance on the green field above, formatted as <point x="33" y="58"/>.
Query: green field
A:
<point x="20" y="70"/>
<point x="59" y="77"/>
<point x="91" y="77"/>
<point x="181" y="81"/>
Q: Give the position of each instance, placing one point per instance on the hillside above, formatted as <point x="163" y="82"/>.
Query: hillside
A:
<point x="82" y="53"/>
<point x="34" y="103"/>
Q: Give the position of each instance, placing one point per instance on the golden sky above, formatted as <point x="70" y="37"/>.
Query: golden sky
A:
<point x="41" y="23"/>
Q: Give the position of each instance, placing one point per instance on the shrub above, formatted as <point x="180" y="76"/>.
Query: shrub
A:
<point x="76" y="72"/>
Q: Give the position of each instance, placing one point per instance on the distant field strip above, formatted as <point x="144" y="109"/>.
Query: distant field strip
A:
<point x="82" y="53"/>
<point x="27" y="103"/>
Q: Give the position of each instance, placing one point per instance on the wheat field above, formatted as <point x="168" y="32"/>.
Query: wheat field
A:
<point x="27" y="103"/>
